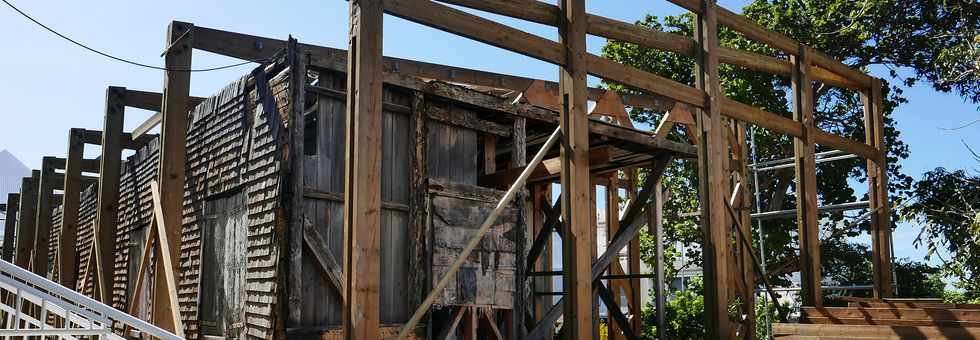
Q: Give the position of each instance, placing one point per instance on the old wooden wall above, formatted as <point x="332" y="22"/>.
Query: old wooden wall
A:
<point x="324" y="177"/>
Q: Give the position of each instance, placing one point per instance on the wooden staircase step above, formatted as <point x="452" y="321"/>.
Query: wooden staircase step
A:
<point x="938" y="314"/>
<point x="915" y="305"/>
<point x="891" y="322"/>
<point x="837" y="331"/>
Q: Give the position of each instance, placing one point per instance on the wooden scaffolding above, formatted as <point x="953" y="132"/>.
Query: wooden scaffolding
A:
<point x="717" y="127"/>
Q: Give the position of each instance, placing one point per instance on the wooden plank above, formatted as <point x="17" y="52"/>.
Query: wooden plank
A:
<point x="938" y="314"/>
<point x="612" y="227"/>
<point x="168" y="297"/>
<point x="876" y="331"/>
<point x="492" y="324"/>
<point x="890" y="322"/>
<point x="171" y="172"/>
<point x="362" y="186"/>
<point x="26" y="224"/>
<point x="881" y="255"/>
<point x="547" y="14"/>
<point x="806" y="179"/>
<point x="711" y="159"/>
<point x="42" y="233"/>
<point x="141" y="272"/>
<point x="10" y="226"/>
<point x="330" y="268"/>
<point x="71" y="199"/>
<point x="575" y="175"/>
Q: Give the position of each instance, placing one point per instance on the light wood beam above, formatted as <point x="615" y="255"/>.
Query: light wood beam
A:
<point x="711" y="164"/>
<point x="171" y="173"/>
<point x="806" y="181"/>
<point x="575" y="175"/>
<point x="874" y="126"/>
<point x="362" y="187"/>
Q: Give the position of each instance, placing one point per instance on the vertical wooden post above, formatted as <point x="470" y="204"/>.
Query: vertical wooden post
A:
<point x="420" y="197"/>
<point x="518" y="159"/>
<point x="26" y="225"/>
<point x="711" y="171"/>
<point x="71" y="199"/>
<point x="173" y="156"/>
<point x="42" y="233"/>
<point x="10" y="225"/>
<point x="109" y="171"/>
<point x="362" y="187"/>
<point x="881" y="230"/>
<point x="575" y="180"/>
<point x="747" y="273"/>
<point x="297" y="216"/>
<point x="806" y="181"/>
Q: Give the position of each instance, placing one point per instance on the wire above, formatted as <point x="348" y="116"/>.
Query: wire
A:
<point x="107" y="55"/>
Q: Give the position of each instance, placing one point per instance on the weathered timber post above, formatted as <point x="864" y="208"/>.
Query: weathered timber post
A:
<point x="172" y="163"/>
<point x="362" y="187"/>
<point x="711" y="165"/>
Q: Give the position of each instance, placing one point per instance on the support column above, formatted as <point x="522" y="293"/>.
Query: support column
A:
<point x="173" y="156"/>
<point x="659" y="284"/>
<point x="362" y="187"/>
<point x="575" y="180"/>
<point x="741" y="170"/>
<point x="10" y="225"/>
<point x="518" y="159"/>
<point x="42" y="233"/>
<point x="69" y="209"/>
<point x="874" y="127"/>
<point x="806" y="181"/>
<point x="711" y="171"/>
<point x="542" y="303"/>
<point x="110" y="164"/>
<point x="26" y="219"/>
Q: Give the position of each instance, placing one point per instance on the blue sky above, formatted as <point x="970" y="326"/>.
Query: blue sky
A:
<point x="50" y="85"/>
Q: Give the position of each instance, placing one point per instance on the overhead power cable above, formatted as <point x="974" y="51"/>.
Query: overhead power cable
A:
<point x="110" y="56"/>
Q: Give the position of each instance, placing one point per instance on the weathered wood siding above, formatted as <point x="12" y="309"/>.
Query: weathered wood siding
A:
<point x="324" y="172"/>
<point x="86" y="232"/>
<point x="135" y="215"/>
<point x="487" y="277"/>
<point x="232" y="149"/>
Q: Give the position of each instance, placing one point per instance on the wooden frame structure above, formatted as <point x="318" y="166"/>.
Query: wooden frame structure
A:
<point x="716" y="126"/>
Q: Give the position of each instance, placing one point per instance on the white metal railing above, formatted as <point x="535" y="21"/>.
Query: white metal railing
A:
<point x="31" y="305"/>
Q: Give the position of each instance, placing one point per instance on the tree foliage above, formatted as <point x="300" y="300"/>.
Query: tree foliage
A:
<point x="947" y="205"/>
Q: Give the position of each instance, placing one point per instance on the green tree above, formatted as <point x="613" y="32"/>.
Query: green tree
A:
<point x="947" y="205"/>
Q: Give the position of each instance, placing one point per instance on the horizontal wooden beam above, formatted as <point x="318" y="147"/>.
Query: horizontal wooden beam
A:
<point x="548" y="168"/>
<point x="547" y="14"/>
<point x="251" y="47"/>
<point x="779" y="41"/>
<point x="152" y="100"/>
<point x="94" y="137"/>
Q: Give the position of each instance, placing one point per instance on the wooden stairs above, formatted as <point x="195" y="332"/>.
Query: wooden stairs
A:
<point x="888" y="319"/>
